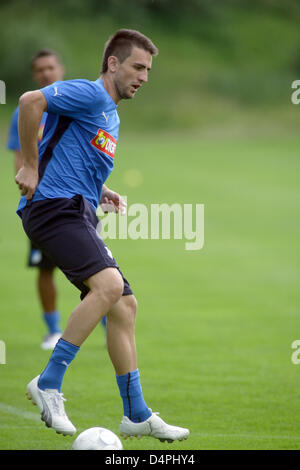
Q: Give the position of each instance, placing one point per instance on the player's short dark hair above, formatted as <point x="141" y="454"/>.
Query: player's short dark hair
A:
<point x="45" y="53"/>
<point x="121" y="44"/>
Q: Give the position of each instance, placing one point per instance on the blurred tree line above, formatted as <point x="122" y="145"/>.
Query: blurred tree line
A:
<point x="244" y="51"/>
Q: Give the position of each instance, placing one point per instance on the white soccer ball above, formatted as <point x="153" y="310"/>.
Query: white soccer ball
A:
<point x="97" y="439"/>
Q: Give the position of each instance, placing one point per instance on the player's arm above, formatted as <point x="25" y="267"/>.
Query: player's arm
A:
<point x="111" y="201"/>
<point x="31" y="108"/>
<point x="18" y="160"/>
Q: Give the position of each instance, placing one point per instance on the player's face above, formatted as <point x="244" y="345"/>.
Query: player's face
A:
<point x="132" y="73"/>
<point x="47" y="70"/>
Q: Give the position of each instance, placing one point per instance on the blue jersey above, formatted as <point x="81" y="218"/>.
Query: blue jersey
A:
<point x="76" y="154"/>
<point x="13" y="136"/>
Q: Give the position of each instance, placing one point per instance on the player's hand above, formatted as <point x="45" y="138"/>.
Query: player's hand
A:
<point x="112" y="202"/>
<point x="27" y="179"/>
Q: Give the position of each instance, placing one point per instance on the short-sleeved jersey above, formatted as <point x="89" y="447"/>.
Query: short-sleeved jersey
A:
<point x="77" y="152"/>
<point x="13" y="135"/>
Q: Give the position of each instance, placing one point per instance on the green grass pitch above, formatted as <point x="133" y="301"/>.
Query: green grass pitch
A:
<point x="214" y="328"/>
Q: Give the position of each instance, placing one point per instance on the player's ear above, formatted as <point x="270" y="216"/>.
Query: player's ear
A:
<point x="112" y="63"/>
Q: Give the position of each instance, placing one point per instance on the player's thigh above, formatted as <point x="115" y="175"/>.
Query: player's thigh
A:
<point x="66" y="231"/>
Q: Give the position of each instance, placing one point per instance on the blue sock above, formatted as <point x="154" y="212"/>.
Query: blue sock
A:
<point x="52" y="320"/>
<point x="62" y="356"/>
<point x="134" y="404"/>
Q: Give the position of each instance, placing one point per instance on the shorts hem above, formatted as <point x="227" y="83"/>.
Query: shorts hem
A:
<point x="90" y="273"/>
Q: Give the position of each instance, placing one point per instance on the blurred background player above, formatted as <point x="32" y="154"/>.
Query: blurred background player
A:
<point x="46" y="68"/>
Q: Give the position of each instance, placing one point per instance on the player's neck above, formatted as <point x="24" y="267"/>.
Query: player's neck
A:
<point x="110" y="88"/>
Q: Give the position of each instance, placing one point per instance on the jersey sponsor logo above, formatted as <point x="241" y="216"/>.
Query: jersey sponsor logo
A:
<point x="104" y="142"/>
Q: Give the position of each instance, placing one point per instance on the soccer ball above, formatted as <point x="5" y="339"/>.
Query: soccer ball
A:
<point x="97" y="439"/>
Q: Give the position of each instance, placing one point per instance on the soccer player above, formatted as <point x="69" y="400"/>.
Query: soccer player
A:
<point x="61" y="186"/>
<point x="46" y="68"/>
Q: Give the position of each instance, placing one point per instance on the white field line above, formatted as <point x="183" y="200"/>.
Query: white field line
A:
<point x="16" y="427"/>
<point x="11" y="410"/>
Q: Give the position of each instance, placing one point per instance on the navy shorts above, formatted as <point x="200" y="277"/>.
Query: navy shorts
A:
<point x="38" y="259"/>
<point x="65" y="230"/>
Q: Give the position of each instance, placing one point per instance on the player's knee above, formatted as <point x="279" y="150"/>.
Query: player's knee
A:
<point x="131" y="307"/>
<point x="116" y="289"/>
<point x="108" y="285"/>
